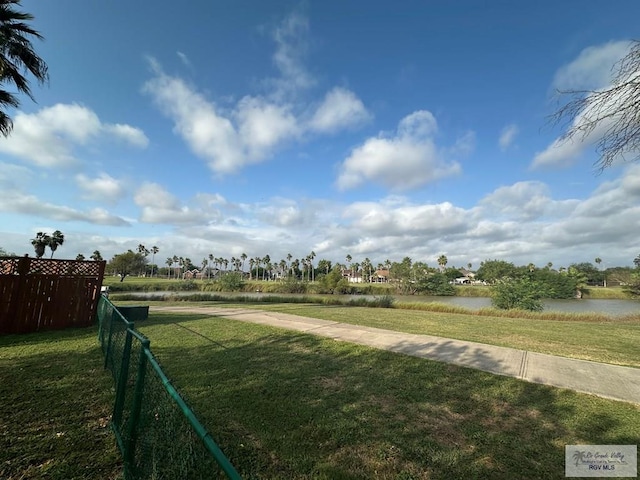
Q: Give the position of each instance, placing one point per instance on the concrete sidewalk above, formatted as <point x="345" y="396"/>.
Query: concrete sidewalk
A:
<point x="604" y="380"/>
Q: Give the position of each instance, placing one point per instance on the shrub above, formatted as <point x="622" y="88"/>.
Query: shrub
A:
<point x="292" y="285"/>
<point x="435" y="284"/>
<point x="521" y="294"/>
<point x="231" y="282"/>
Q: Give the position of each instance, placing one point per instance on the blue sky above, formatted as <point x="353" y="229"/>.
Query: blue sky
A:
<point x="375" y="129"/>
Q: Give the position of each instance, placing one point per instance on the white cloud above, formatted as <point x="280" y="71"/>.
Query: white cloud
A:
<point x="527" y="200"/>
<point x="158" y="206"/>
<point x="12" y="176"/>
<point x="522" y="222"/>
<point x="253" y="130"/>
<point x="132" y="135"/>
<point x="592" y="68"/>
<point x="47" y="138"/>
<point x="391" y="219"/>
<point x="291" y="38"/>
<point x="507" y="136"/>
<point x="407" y="160"/>
<point x="263" y="126"/>
<point x="102" y="188"/>
<point x="340" y="108"/>
<point x="184" y="59"/>
<point x="22" y="203"/>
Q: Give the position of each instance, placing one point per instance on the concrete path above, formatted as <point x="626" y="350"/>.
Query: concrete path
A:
<point x="604" y="380"/>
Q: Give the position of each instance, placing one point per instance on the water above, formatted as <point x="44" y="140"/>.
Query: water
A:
<point x="612" y="307"/>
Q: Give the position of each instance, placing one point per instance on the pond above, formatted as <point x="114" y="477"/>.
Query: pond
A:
<point x="613" y="307"/>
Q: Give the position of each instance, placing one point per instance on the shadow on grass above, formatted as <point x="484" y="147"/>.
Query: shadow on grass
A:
<point x="55" y="408"/>
<point x="289" y="405"/>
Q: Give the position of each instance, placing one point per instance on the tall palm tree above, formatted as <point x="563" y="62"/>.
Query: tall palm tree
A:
<point x="56" y="239"/>
<point x="251" y="264"/>
<point x="40" y="243"/>
<point x="598" y="260"/>
<point x="176" y="260"/>
<point x="169" y="262"/>
<point x="312" y="255"/>
<point x="209" y="264"/>
<point x="366" y="268"/>
<point x="442" y="261"/>
<point x="244" y="258"/>
<point x="154" y="250"/>
<point x="17" y="57"/>
<point x="266" y="260"/>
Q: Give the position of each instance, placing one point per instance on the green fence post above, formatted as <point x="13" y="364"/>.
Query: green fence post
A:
<point x="108" y="351"/>
<point x="132" y="436"/>
<point x="122" y="379"/>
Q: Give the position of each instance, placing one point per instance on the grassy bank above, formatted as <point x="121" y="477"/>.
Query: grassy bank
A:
<point x="609" y="341"/>
<point x="289" y="405"/>
<point x="55" y="408"/>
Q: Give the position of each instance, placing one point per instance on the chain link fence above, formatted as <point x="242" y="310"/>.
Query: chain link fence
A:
<point x="158" y="434"/>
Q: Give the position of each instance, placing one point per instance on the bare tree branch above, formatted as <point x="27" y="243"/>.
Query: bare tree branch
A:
<point x="611" y="115"/>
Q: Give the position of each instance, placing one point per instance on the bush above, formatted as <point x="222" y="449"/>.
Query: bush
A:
<point x="435" y="284"/>
<point x="231" y="282"/>
<point x="521" y="294"/>
<point x="292" y="285"/>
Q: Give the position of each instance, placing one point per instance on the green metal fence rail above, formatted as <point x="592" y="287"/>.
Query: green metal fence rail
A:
<point x="158" y="434"/>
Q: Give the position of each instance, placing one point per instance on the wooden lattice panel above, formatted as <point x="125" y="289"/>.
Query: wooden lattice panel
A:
<point x="9" y="265"/>
<point x="39" y="293"/>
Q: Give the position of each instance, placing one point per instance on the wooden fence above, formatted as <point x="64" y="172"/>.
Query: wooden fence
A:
<point x="44" y="294"/>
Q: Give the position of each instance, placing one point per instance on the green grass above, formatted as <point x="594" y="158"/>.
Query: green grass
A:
<point x="594" y="337"/>
<point x="296" y="406"/>
<point x="608" y="340"/>
<point x="55" y="407"/>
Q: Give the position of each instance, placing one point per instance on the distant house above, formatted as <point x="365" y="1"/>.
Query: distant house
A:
<point x="192" y="274"/>
<point x="380" y="276"/>
<point x="352" y="276"/>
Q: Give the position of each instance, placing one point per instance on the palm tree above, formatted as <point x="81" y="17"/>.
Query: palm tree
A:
<point x="266" y="260"/>
<point x="243" y="257"/>
<point x="251" y="264"/>
<point x="312" y="255"/>
<point x="40" y="243"/>
<point x="289" y="257"/>
<point x="209" y="264"/>
<point x="56" y="239"/>
<point x="17" y="57"/>
<point x="176" y="260"/>
<point x="169" y="262"/>
<point x="348" y="258"/>
<point x="598" y="260"/>
<point x="366" y="267"/>
<point x="154" y="250"/>
<point x="442" y="261"/>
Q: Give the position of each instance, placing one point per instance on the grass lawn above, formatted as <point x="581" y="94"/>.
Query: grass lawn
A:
<point x="290" y="405"/>
<point x="612" y="341"/>
<point x="55" y="406"/>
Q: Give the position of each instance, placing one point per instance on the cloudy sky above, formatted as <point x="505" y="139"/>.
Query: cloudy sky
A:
<point x="368" y="128"/>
